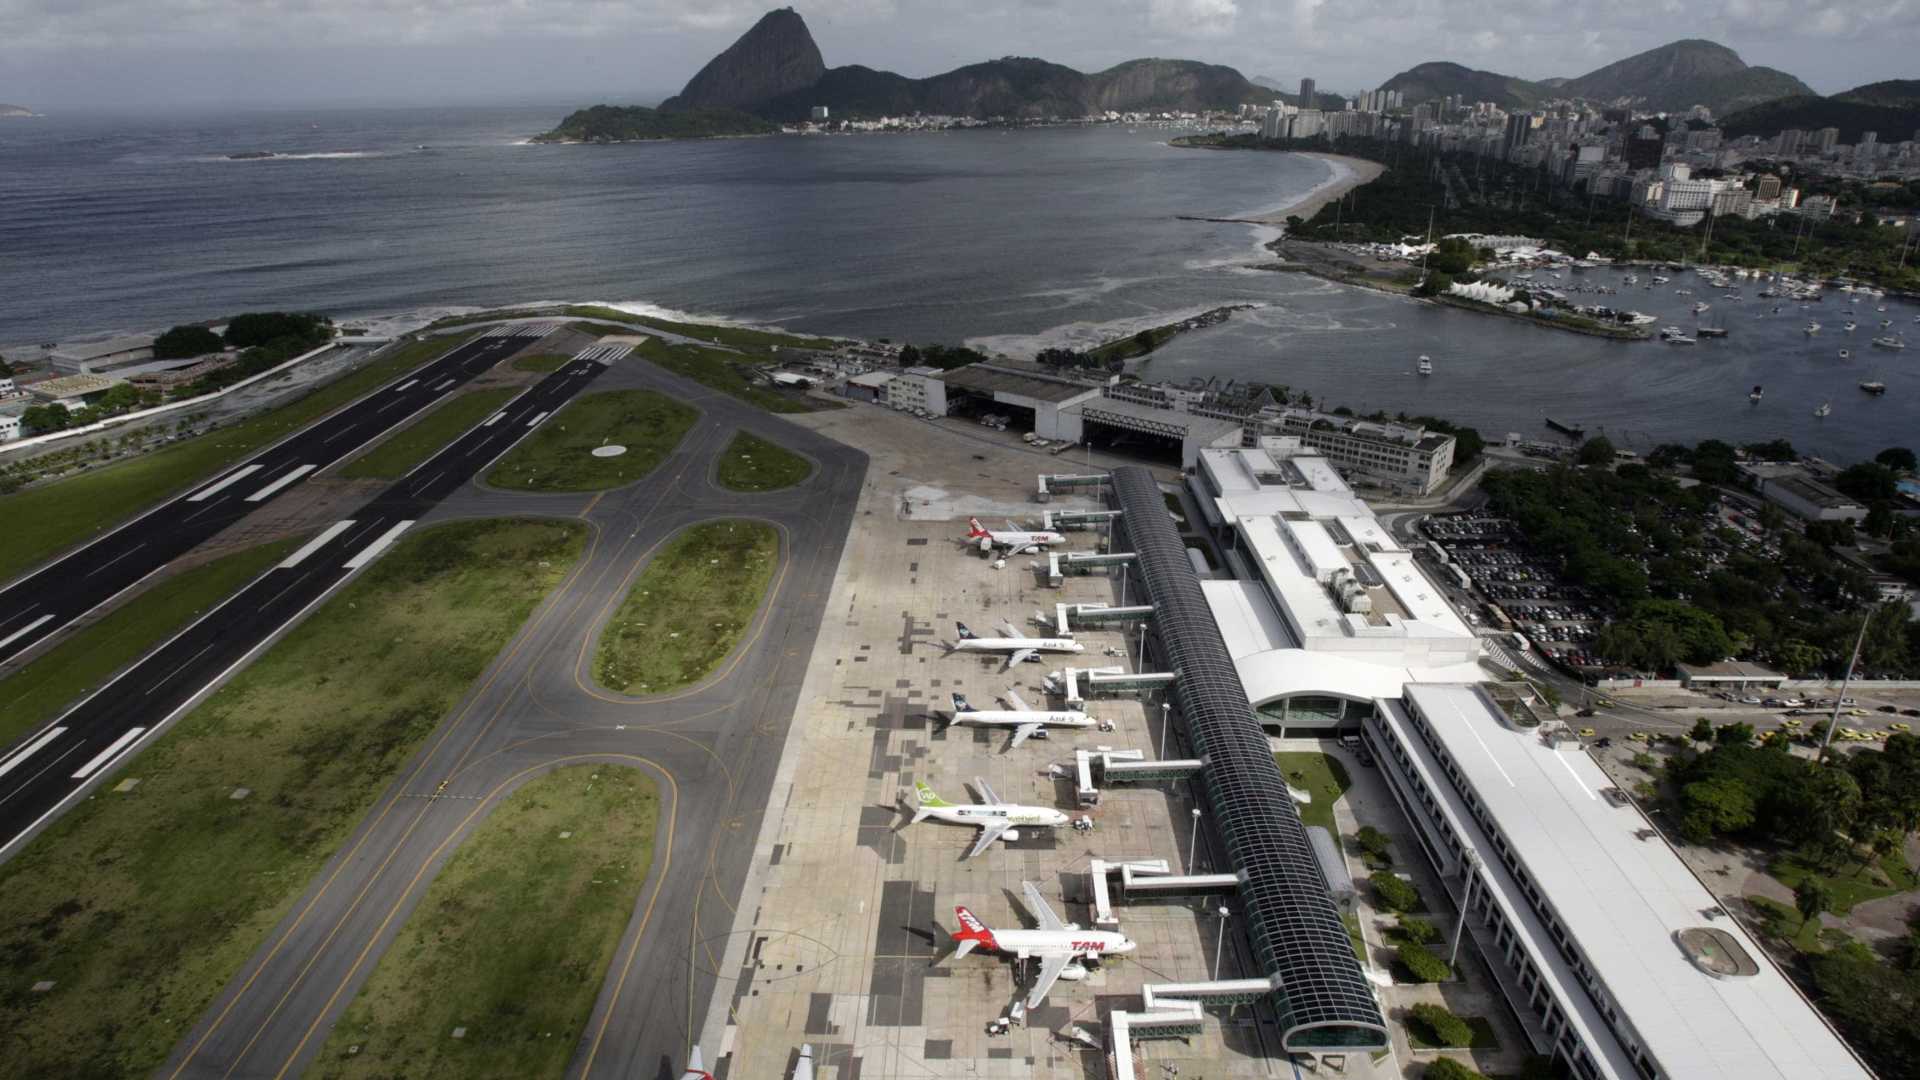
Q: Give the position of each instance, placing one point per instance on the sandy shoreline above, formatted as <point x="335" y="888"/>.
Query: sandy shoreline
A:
<point x="1348" y="173"/>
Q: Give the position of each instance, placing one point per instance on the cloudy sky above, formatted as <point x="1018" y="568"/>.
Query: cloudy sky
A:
<point x="166" y="52"/>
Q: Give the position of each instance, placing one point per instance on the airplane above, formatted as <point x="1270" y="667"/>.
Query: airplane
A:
<point x="695" y="1071"/>
<point x="1025" y="722"/>
<point x="1016" y="647"/>
<point x="995" y="819"/>
<point x="1059" y="946"/>
<point x="803" y="1069"/>
<point x="1016" y="541"/>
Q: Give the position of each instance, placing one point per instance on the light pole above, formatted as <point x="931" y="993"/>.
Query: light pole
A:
<point x="1140" y="659"/>
<point x="1846" y="683"/>
<point x="1470" y="862"/>
<point x="1166" y="721"/>
<point x="1123" y="584"/>
<point x="1219" y="940"/>
<point x="1193" y="837"/>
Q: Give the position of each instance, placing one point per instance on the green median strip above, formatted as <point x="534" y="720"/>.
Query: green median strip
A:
<point x="142" y="902"/>
<point x="739" y="337"/>
<point x="89" y="657"/>
<point x="752" y="464"/>
<point x="427" y="436"/>
<point x="541" y="362"/>
<point x="718" y="369"/>
<point x="689" y="609"/>
<point x="513" y="937"/>
<point x="559" y="455"/>
<point x="43" y="520"/>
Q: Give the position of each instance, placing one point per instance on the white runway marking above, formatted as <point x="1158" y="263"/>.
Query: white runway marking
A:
<point x="385" y="541"/>
<point x="232" y="478"/>
<point x="107" y="755"/>
<point x="115" y="559"/>
<point x="280" y="483"/>
<point x="494" y="419"/>
<point x="537" y="419"/>
<point x="442" y="386"/>
<point x="316" y="544"/>
<point x="25" y="630"/>
<point x="404" y="385"/>
<point x="30" y="749"/>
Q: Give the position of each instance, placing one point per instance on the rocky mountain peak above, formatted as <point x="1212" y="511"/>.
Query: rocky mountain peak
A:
<point x="775" y="57"/>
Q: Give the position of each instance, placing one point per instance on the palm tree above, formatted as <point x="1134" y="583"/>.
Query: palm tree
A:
<point x="1812" y="898"/>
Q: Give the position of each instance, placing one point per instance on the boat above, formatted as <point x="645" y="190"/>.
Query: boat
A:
<point x="1826" y="407"/>
<point x="1569" y="430"/>
<point x="1679" y="339"/>
<point x="1700" y="307"/>
<point x="1658" y="280"/>
<point x="1426" y="365"/>
<point x="1630" y="279"/>
<point x="1711" y="331"/>
<point x="1874" y="387"/>
<point x="1884" y="323"/>
<point x="1850" y="328"/>
<point x="1756" y="395"/>
<point x="1845" y="355"/>
<point x="1812" y="327"/>
<point x="1889" y="343"/>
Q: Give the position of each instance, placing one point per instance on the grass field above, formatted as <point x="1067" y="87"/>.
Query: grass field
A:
<point x="1851" y="884"/>
<point x="541" y="362"/>
<point x="43" y="520"/>
<point x="716" y="369"/>
<point x="140" y="905"/>
<point x="752" y="464"/>
<point x="738" y="337"/>
<point x="689" y="608"/>
<point x="1320" y="776"/>
<point x="514" y="936"/>
<point x="427" y="436"/>
<point x="88" y="658"/>
<point x="558" y="456"/>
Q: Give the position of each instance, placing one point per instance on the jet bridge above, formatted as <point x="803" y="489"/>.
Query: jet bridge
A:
<point x="1150" y="877"/>
<point x="1077" y="519"/>
<point x="1052" y="482"/>
<point x="1173" y="1011"/>
<point x="1096" y="614"/>
<point x="1076" y="685"/>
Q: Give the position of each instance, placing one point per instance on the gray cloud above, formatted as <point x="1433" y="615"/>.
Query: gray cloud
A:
<point x="162" y="51"/>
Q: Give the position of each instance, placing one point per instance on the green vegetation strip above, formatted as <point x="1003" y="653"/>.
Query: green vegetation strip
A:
<point x="514" y="937"/>
<point x="43" y="520"/>
<point x="719" y="370"/>
<point x="752" y="464"/>
<point x="1320" y="776"/>
<point x="85" y="661"/>
<point x="558" y="456"/>
<point x="689" y="608"/>
<point x="739" y="337"/>
<point x="541" y="362"/>
<point x="140" y="904"/>
<point x="427" y="436"/>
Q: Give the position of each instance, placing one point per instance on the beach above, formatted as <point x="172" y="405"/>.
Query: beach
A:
<point x="1348" y="173"/>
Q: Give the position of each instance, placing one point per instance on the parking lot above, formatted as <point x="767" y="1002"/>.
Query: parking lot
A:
<point x="1519" y="590"/>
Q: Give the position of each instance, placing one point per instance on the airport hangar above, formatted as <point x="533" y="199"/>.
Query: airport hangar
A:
<point x="1614" y="955"/>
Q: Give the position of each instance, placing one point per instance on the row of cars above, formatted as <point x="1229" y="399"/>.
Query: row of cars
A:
<point x="1489" y="556"/>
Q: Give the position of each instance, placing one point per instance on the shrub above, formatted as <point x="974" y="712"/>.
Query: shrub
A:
<point x="183" y="342"/>
<point x="1441" y="1027"/>
<point x="1449" y="1069"/>
<point x="1417" y="930"/>
<point x="1394" y="894"/>
<point x="1422" y="963"/>
<point x="1374" y="844"/>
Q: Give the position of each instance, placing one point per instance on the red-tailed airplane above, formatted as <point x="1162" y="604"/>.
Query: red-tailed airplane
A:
<point x="1059" y="946"/>
<point x="1014" y="540"/>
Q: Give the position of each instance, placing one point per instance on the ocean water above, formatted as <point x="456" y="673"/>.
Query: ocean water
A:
<point x="1008" y="240"/>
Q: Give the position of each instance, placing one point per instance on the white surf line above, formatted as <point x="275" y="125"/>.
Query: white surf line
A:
<point x="113" y="560"/>
<point x="404" y="385"/>
<point x="25" y="630"/>
<point x="315" y="544"/>
<point x="381" y="544"/>
<point x="232" y="478"/>
<point x="280" y="483"/>
<point x="538" y="418"/>
<point x="107" y="755"/>
<point x="30" y="749"/>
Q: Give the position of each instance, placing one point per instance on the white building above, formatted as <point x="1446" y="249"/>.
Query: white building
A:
<point x="9" y="426"/>
<point x="1618" y="960"/>
<point x="1404" y="456"/>
<point x="918" y="388"/>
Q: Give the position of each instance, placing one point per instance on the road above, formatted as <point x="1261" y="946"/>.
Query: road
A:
<point x="61" y="761"/>
<point x="713" y="750"/>
<point x="42" y="603"/>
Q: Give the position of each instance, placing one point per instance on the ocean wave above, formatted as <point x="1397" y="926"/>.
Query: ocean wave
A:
<point x="317" y="155"/>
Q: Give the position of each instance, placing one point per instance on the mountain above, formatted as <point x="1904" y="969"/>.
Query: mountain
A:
<point x="1267" y="82"/>
<point x="613" y="123"/>
<point x="1894" y="93"/>
<point x="1810" y="113"/>
<point x="776" y="56"/>
<point x="1683" y="74"/>
<point x="1441" y="79"/>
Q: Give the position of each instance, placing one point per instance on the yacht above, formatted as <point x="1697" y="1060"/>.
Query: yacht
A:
<point x="1874" y="387"/>
<point x="1756" y="395"/>
<point x="1700" y="307"/>
<point x="1425" y="366"/>
<point x="1658" y="280"/>
<point x="1712" y="331"/>
<point x="1845" y="355"/>
<point x="1812" y="327"/>
<point x="1630" y="279"/>
<point x="1679" y="339"/>
<point x="1825" y="408"/>
<point x="1849" y="328"/>
<point x="1889" y="343"/>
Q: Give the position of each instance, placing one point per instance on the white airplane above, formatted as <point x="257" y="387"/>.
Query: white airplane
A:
<point x="1025" y="722"/>
<point x="1010" y="642"/>
<point x="694" y="1069"/>
<point x="995" y="819"/>
<point x="1059" y="946"/>
<point x="803" y="1069"/>
<point x="1016" y="541"/>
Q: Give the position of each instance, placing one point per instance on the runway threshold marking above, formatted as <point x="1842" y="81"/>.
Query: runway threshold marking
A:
<point x="25" y="630"/>
<point x="494" y="419"/>
<point x="103" y="757"/>
<point x="316" y="544"/>
<point x="30" y="749"/>
<point x="382" y="543"/>
<point x="268" y="491"/>
<point x="233" y="477"/>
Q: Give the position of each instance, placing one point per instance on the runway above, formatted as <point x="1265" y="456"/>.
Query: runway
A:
<point x="713" y="750"/>
<point x="40" y="604"/>
<point x="65" y="759"/>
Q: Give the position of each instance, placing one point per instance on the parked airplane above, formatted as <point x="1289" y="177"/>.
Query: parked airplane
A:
<point x="1059" y="946"/>
<point x="803" y="1069"/>
<point x="694" y="1069"/>
<point x="995" y="819"/>
<point x="1016" y="541"/>
<point x="1025" y="722"/>
<point x="1016" y="647"/>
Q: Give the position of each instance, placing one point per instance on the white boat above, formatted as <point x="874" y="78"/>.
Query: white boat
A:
<point x="1425" y="366"/>
<point x="1874" y="387"/>
<point x="1812" y="327"/>
<point x="1889" y="343"/>
<point x="1630" y="279"/>
<point x="1756" y="395"/>
<point x="1845" y="355"/>
<point x="1680" y="339"/>
<point x="1700" y="307"/>
<point x="1825" y="408"/>
<point x="1849" y="328"/>
<point x="1658" y="280"/>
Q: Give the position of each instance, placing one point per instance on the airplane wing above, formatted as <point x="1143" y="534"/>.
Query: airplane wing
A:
<point x="1050" y="969"/>
<point x="1042" y="910"/>
<point x="1011" y="527"/>
<point x="1018" y="656"/>
<point x="988" y="834"/>
<point x="987" y="796"/>
<point x="1007" y="630"/>
<point x="1013" y="699"/>
<point x="1022" y="733"/>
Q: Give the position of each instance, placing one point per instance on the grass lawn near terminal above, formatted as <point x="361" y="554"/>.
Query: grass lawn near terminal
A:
<point x="718" y="369"/>
<point x="752" y="464"/>
<point x="87" y="658"/>
<point x="427" y="435"/>
<point x="141" y="904"/>
<point x="689" y="609"/>
<point x="514" y="936"/>
<point x="44" y="520"/>
<point x="558" y="456"/>
<point x="1320" y="776"/>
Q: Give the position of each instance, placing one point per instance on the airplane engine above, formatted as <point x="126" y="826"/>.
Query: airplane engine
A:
<point x="1073" y="973"/>
<point x="1010" y="835"/>
<point x="1030" y="549"/>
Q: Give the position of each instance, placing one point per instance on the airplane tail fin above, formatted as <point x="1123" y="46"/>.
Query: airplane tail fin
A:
<point x="960" y="704"/>
<point x="925" y="801"/>
<point x="972" y="932"/>
<point x="974" y="529"/>
<point x="965" y="634"/>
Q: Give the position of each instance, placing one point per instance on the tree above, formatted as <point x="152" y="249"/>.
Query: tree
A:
<point x="44" y="418"/>
<point x="1897" y="458"/>
<point x="1868" y="481"/>
<point x="1443" y="1028"/>
<point x="1830" y="534"/>
<point x="1796" y="657"/>
<point x="1374" y="844"/>
<point x="1596" y="451"/>
<point x="1735" y="734"/>
<point x="1811" y="898"/>
<point x="266" y="327"/>
<point x="1702" y="732"/>
<point x="1775" y="450"/>
<point x="6" y="369"/>
<point x="1668" y="455"/>
<point x="1711" y="808"/>
<point x="184" y="342"/>
<point x="1873" y="1003"/>
<point x="1435" y="284"/>
<point x="1418" y="930"/>
<point x="1393" y="892"/>
<point x="1422" y="963"/>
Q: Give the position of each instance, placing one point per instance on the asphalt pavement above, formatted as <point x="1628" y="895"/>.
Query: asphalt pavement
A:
<point x="713" y="749"/>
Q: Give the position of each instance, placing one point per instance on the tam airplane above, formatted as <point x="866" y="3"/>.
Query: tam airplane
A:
<point x="995" y="820"/>
<point x="1016" y="647"/>
<point x="1014" y="540"/>
<point x="1025" y="722"/>
<point x="1059" y="946"/>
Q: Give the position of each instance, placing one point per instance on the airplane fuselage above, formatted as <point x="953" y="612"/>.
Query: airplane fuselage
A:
<point x="1081" y="943"/>
<point x="1015" y="644"/>
<point x="1021" y="718"/>
<point x="1011" y="813"/>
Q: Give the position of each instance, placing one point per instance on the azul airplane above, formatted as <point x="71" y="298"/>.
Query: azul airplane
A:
<point x="1059" y="946"/>
<point x="1025" y="722"/>
<point x="1016" y="541"/>
<point x="994" y="819"/>
<point x="1017" y="648"/>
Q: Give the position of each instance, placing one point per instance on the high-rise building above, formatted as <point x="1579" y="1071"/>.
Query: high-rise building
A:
<point x="1825" y="139"/>
<point x="1769" y="188"/>
<point x="1306" y="94"/>
<point x="1792" y="141"/>
<point x="1520" y="127"/>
